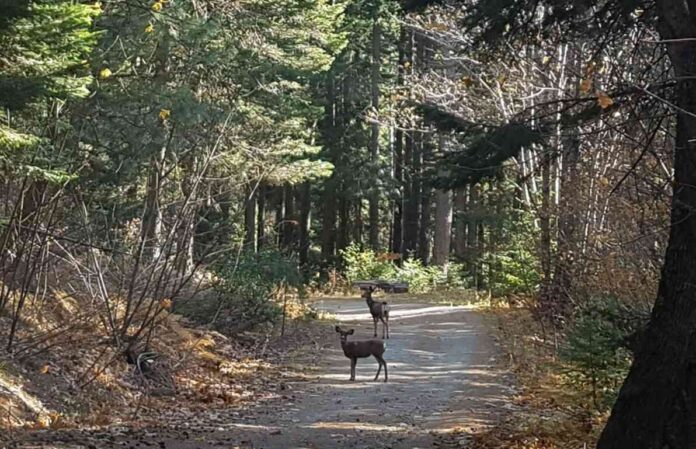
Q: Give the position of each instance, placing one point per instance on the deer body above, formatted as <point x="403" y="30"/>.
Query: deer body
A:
<point x="360" y="349"/>
<point x="379" y="311"/>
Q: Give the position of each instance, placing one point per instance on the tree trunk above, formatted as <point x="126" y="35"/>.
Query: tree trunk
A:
<point x="442" y="238"/>
<point x="279" y="199"/>
<point x="656" y="407"/>
<point x="443" y="227"/>
<point x="250" y="220"/>
<point x="545" y="224"/>
<point x="305" y="221"/>
<point x="261" y="217"/>
<point x="152" y="216"/>
<point x="397" y="219"/>
<point x="374" y="127"/>
<point x="343" y="224"/>
<point x="461" y="204"/>
<point x="328" y="209"/>
<point x="472" y="242"/>
<point x="290" y="222"/>
<point x="425" y="205"/>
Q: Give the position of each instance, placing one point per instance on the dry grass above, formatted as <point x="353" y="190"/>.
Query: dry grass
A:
<point x="549" y="414"/>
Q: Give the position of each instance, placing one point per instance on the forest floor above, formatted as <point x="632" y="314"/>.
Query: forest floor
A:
<point x="443" y="377"/>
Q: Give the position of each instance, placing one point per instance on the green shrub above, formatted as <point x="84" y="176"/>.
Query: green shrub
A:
<point x="363" y="264"/>
<point x="247" y="283"/>
<point x="514" y="271"/>
<point x="596" y="347"/>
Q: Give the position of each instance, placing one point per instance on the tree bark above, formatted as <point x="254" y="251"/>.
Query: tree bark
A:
<point x="472" y="241"/>
<point x="461" y="204"/>
<point x="250" y="221"/>
<point x="656" y="407"/>
<point x="374" y="127"/>
<point x="290" y="221"/>
<point x="305" y="222"/>
<point x="443" y="227"/>
<point x="328" y="210"/>
<point x="261" y="217"/>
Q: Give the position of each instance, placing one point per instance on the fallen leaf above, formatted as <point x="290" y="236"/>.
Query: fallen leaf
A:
<point x="604" y="100"/>
<point x="586" y="85"/>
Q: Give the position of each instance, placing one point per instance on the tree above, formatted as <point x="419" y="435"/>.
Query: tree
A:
<point x="655" y="405"/>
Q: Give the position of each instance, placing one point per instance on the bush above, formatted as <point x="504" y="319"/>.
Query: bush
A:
<point x="247" y="284"/>
<point x="596" y="347"/>
<point x="366" y="264"/>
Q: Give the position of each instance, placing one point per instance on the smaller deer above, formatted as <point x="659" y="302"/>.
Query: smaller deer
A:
<point x="378" y="309"/>
<point x="359" y="349"/>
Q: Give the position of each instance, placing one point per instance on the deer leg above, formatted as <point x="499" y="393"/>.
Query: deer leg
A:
<point x="374" y="320"/>
<point x="381" y="362"/>
<point x="384" y="324"/>
<point x="379" y="370"/>
<point x="353" y="362"/>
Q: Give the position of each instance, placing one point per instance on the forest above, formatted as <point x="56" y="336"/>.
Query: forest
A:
<point x="190" y="190"/>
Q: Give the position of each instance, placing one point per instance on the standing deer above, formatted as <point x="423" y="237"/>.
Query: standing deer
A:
<point x="359" y="349"/>
<point x="378" y="309"/>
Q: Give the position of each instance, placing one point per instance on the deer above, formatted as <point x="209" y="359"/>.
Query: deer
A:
<point x="378" y="309"/>
<point x="359" y="349"/>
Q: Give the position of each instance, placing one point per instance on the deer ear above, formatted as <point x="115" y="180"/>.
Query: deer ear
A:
<point x="351" y="332"/>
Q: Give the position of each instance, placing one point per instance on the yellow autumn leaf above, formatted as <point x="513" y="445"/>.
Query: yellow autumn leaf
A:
<point x="545" y="60"/>
<point x="604" y="100"/>
<point x="44" y="369"/>
<point x="502" y="79"/>
<point x="166" y="303"/>
<point x="407" y="64"/>
<point x="586" y="85"/>
<point x="104" y="73"/>
<point x="149" y="28"/>
<point x="164" y="114"/>
<point x="157" y="6"/>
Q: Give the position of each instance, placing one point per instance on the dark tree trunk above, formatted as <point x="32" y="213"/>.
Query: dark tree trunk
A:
<point x="279" y="200"/>
<point x="261" y="217"/>
<point x="250" y="220"/>
<point x="397" y="230"/>
<point x="656" y="407"/>
<point x="290" y="221"/>
<point x="305" y="218"/>
<point x="374" y="127"/>
<point x="397" y="219"/>
<point x="343" y="224"/>
<point x="472" y="241"/>
<point x="461" y="205"/>
<point x="328" y="208"/>
<point x="411" y="200"/>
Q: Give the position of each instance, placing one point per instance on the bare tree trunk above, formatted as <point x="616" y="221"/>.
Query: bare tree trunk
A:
<point x="472" y="233"/>
<point x="261" y="217"/>
<point x="374" y="128"/>
<point x="305" y="223"/>
<point x="250" y="220"/>
<point x="152" y="217"/>
<point x="443" y="227"/>
<point x="461" y="205"/>
<point x="443" y="220"/>
<point x="290" y="219"/>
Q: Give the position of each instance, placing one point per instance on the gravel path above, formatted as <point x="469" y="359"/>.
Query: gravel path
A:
<point x="442" y="375"/>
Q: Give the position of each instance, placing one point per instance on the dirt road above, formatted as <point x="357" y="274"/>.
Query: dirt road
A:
<point x="441" y="375"/>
